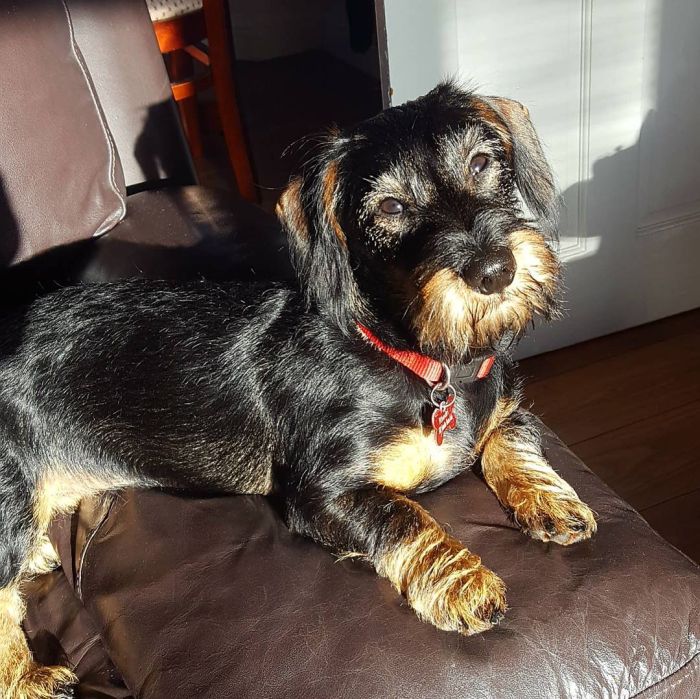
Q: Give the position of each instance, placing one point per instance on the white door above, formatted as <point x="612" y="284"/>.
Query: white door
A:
<point x="613" y="88"/>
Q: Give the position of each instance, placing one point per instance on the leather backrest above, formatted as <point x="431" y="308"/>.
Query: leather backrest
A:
<point x="60" y="175"/>
<point x="117" y="41"/>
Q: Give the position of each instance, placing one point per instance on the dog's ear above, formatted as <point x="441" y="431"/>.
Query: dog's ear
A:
<point x="309" y="211"/>
<point x="532" y="173"/>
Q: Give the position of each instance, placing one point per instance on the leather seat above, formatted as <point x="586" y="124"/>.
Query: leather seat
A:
<point x="173" y="233"/>
<point x="215" y="598"/>
<point x="188" y="232"/>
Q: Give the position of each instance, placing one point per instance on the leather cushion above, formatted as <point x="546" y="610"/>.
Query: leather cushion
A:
<point x="214" y="598"/>
<point x="60" y="177"/>
<point x="189" y="232"/>
<point x="60" y="631"/>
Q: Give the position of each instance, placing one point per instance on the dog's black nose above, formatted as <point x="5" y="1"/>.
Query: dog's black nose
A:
<point x="491" y="272"/>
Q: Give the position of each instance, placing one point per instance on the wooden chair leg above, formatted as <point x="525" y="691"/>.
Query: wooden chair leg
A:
<point x="221" y="56"/>
<point x="180" y="70"/>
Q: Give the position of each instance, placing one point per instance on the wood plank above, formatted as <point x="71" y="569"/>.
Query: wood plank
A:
<point x="550" y="364"/>
<point x="627" y="387"/>
<point x="678" y="521"/>
<point x="649" y="461"/>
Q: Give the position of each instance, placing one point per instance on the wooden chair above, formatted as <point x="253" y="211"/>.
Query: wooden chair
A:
<point x="180" y="27"/>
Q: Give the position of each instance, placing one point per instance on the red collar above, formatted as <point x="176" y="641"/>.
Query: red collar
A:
<point x="437" y="375"/>
<point x="430" y="370"/>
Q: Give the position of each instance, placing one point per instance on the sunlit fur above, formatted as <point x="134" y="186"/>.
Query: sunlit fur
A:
<point x="545" y="506"/>
<point x="412" y="458"/>
<point x="20" y="676"/>
<point x="452" y="317"/>
<point x="443" y="581"/>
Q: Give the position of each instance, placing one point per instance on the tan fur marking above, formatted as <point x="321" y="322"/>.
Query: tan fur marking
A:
<point x="504" y="408"/>
<point x="411" y="458"/>
<point x="20" y="677"/>
<point x="488" y="114"/>
<point x="443" y="582"/>
<point x="330" y="180"/>
<point x="290" y="211"/>
<point x="61" y="492"/>
<point x="542" y="502"/>
<point x="537" y="263"/>
<point x="452" y="316"/>
<point x="44" y="558"/>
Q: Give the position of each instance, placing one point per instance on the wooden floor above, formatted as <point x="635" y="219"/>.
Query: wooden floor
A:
<point x="629" y="405"/>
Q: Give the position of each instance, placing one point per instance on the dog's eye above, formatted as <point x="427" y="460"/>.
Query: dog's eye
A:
<point x="478" y="164"/>
<point x="391" y="206"/>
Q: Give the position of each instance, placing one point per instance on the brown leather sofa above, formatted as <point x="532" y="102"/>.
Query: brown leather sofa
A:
<point x="161" y="595"/>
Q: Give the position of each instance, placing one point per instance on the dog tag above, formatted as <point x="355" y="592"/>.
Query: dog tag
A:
<point x="443" y="419"/>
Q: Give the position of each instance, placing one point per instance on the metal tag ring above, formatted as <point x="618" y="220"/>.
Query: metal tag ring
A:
<point x="451" y="396"/>
<point x="446" y="379"/>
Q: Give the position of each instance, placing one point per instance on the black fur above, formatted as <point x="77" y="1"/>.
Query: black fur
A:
<point x="240" y="388"/>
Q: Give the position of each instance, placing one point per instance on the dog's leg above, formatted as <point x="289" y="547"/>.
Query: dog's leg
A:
<point x="442" y="581"/>
<point x="20" y="676"/>
<point x="542" y="503"/>
<point x="44" y="558"/>
<point x="22" y="551"/>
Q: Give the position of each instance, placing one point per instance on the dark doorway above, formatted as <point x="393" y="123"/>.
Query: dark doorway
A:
<point x="301" y="67"/>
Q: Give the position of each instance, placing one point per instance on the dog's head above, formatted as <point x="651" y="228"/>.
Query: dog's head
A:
<point x="412" y="223"/>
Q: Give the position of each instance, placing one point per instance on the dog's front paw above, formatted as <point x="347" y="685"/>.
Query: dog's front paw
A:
<point x="552" y="515"/>
<point x="447" y="586"/>
<point x="43" y="682"/>
<point x="468" y="599"/>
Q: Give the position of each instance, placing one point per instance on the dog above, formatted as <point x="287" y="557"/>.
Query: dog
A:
<point x="423" y="245"/>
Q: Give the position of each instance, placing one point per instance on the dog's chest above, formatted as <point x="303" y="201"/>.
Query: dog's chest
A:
<point x="414" y="459"/>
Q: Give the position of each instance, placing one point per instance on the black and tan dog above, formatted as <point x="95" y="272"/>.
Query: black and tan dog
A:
<point x="384" y="372"/>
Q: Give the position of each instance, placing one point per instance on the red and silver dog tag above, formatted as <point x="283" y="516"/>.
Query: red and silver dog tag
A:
<point x="443" y="418"/>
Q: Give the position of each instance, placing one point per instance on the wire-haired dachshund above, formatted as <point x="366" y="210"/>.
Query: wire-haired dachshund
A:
<point x="422" y="241"/>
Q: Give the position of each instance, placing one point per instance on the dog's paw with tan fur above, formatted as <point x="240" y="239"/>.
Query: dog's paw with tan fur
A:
<point x="467" y="598"/>
<point x="446" y="585"/>
<point x="43" y="682"/>
<point x="552" y="515"/>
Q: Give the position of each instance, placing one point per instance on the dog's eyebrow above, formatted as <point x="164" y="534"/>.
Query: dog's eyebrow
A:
<point x="400" y="180"/>
<point x="456" y="145"/>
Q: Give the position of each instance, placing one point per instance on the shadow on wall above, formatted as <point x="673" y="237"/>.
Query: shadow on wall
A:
<point x="637" y="217"/>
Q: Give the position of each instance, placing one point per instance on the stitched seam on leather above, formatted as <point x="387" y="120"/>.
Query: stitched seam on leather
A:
<point x="668" y="677"/>
<point x="95" y="640"/>
<point x="88" y="541"/>
<point x="103" y="124"/>
<point x="107" y="512"/>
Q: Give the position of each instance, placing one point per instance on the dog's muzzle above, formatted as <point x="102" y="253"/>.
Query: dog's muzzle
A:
<point x="491" y="272"/>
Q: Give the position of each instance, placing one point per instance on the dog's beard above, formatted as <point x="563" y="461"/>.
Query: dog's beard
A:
<point x="451" y="318"/>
